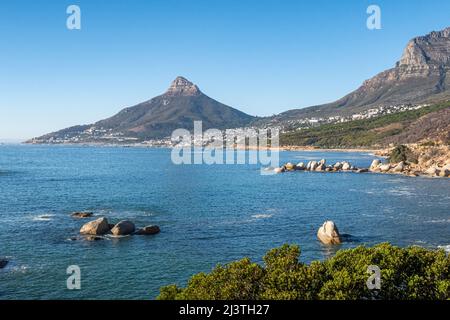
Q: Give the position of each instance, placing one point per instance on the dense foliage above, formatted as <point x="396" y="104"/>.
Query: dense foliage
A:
<point x="406" y="273"/>
<point x="358" y="133"/>
<point x="402" y="153"/>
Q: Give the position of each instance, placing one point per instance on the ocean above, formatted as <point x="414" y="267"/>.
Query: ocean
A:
<point x="208" y="214"/>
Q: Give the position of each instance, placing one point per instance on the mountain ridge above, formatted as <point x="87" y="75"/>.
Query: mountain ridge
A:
<point x="181" y="105"/>
<point x="420" y="76"/>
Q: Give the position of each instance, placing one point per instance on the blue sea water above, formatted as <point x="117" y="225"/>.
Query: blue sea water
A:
<point x="208" y="214"/>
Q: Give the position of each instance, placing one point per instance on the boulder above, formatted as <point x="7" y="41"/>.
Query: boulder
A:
<point x="329" y="234"/>
<point x="148" y="230"/>
<point x="399" y="167"/>
<point x="328" y="169"/>
<point x="96" y="227"/>
<point x="278" y="170"/>
<point x="346" y="166"/>
<point x="313" y="166"/>
<point x="82" y="214"/>
<point x="432" y="171"/>
<point x="375" y="164"/>
<point x="384" y="167"/>
<point x="3" y="263"/>
<point x="123" y="228"/>
<point x="289" y="166"/>
<point x="362" y="170"/>
<point x="300" y="166"/>
<point x="338" y="166"/>
<point x="323" y="161"/>
<point x="444" y="172"/>
<point x="321" y="167"/>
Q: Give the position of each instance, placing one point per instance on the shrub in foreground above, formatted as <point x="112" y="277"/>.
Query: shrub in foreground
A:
<point x="406" y="274"/>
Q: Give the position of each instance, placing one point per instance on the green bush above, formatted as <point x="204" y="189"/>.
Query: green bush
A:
<point x="402" y="153"/>
<point x="406" y="274"/>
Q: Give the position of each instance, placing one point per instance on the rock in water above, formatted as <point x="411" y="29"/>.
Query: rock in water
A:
<point x="313" y="166"/>
<point x="328" y="233"/>
<point x="346" y="166"/>
<point x="278" y="170"/>
<point x="3" y="263"/>
<point x="96" y="227"/>
<point x="289" y="166"/>
<point x="300" y="166"/>
<point x="375" y="164"/>
<point x="385" y="168"/>
<point x="399" y="167"/>
<point x="321" y="167"/>
<point x="337" y="166"/>
<point x="82" y="214"/>
<point x="148" y="230"/>
<point x="123" y="228"/>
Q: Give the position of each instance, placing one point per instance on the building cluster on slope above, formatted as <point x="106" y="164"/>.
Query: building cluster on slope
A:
<point x="99" y="135"/>
<point x="305" y="123"/>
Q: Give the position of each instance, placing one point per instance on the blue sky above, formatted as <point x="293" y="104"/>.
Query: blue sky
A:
<point x="263" y="57"/>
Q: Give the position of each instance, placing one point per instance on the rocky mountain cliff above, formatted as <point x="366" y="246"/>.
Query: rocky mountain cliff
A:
<point x="421" y="76"/>
<point x="178" y="107"/>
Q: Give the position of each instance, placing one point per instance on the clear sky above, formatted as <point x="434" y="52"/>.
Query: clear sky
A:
<point x="260" y="56"/>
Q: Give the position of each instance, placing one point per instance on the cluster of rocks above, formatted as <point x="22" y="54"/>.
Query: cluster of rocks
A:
<point x="320" y="166"/>
<point x="377" y="166"/>
<point x="409" y="169"/>
<point x="94" y="230"/>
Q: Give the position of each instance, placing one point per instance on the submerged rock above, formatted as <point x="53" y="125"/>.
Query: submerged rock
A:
<point x="148" y="230"/>
<point x="329" y="234"/>
<point x="3" y="263"/>
<point x="82" y="214"/>
<point x="96" y="227"/>
<point x="123" y="228"/>
<point x="93" y="238"/>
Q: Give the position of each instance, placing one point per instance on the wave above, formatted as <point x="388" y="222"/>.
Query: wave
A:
<point x="446" y="248"/>
<point x="262" y="216"/>
<point x="43" y="217"/>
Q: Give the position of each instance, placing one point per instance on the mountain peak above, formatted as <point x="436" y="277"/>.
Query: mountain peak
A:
<point x="182" y="87"/>
<point x="433" y="48"/>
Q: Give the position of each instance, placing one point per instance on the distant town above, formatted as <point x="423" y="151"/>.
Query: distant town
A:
<point x="96" y="135"/>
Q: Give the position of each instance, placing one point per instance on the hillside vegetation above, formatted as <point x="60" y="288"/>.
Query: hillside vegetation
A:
<point x="406" y="274"/>
<point x="427" y="123"/>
